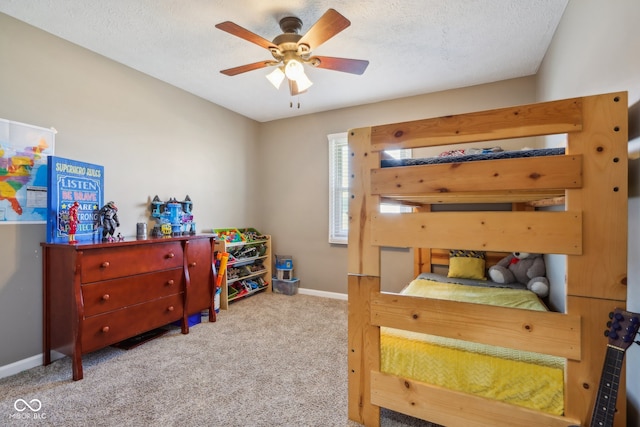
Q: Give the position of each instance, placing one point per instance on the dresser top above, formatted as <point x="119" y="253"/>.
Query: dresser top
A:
<point x="128" y="241"/>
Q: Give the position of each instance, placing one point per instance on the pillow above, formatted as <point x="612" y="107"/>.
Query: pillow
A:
<point x="465" y="264"/>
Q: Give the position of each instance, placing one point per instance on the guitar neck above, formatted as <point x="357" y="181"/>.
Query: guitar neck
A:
<point x="605" y="406"/>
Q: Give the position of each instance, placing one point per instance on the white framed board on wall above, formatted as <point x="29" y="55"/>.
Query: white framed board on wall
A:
<point x="24" y="150"/>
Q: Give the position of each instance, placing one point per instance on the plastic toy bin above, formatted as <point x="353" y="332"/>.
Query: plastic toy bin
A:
<point x="286" y="287"/>
<point x="192" y="320"/>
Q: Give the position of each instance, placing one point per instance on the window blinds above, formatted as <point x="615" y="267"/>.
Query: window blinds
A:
<point x="338" y="188"/>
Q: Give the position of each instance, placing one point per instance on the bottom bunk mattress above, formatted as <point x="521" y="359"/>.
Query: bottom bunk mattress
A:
<point x="521" y="378"/>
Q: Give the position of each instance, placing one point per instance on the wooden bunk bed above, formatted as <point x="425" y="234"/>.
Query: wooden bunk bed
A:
<point x="589" y="180"/>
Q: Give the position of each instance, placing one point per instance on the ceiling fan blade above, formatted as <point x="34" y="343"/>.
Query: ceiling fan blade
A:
<point x="248" y="67"/>
<point x="353" y="66"/>
<point x="243" y="33"/>
<point x="329" y="24"/>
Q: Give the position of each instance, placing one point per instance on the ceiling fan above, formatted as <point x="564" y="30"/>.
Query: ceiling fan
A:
<point x="291" y="50"/>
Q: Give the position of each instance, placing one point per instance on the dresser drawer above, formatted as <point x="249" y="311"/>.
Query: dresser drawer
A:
<point x="110" y="263"/>
<point x="109" y="295"/>
<point x="109" y="328"/>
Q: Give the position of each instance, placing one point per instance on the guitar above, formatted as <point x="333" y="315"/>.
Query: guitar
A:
<point x="623" y="328"/>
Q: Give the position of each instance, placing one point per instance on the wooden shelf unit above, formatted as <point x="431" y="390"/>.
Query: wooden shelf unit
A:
<point x="263" y="260"/>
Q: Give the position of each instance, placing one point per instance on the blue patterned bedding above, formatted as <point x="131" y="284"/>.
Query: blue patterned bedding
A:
<point x="473" y="157"/>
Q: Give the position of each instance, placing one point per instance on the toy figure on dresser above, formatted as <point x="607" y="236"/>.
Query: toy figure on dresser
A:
<point x="189" y="227"/>
<point x="73" y="222"/>
<point x="173" y="218"/>
<point x="108" y="217"/>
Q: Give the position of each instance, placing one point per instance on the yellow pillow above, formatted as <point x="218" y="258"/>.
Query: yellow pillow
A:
<point x="466" y="264"/>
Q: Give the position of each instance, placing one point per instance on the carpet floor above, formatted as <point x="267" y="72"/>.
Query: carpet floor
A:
<point x="270" y="360"/>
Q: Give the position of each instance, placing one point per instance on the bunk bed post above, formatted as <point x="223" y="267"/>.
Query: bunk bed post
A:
<point x="421" y="256"/>
<point x="364" y="279"/>
<point x="364" y="349"/>
<point x="596" y="279"/>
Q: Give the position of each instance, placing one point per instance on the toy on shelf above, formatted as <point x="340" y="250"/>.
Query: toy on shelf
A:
<point x="174" y="218"/>
<point x="108" y="216"/>
<point x="251" y="234"/>
<point x="73" y="222"/>
<point x="229" y="235"/>
<point x="239" y="235"/>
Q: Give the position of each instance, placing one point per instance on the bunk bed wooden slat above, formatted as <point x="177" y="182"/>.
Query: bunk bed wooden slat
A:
<point x="550" y="172"/>
<point x="483" y="197"/>
<point x="448" y="407"/>
<point x="558" y="334"/>
<point x="540" y="232"/>
<point x="545" y="118"/>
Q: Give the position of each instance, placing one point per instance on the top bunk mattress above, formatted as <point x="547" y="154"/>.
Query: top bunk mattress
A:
<point x="515" y="154"/>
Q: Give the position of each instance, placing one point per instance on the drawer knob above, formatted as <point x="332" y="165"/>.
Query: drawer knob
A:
<point x="105" y="264"/>
<point x="170" y="255"/>
<point x="170" y="308"/>
<point x="105" y="329"/>
<point x="193" y="264"/>
<point x="170" y="282"/>
<point x="105" y="297"/>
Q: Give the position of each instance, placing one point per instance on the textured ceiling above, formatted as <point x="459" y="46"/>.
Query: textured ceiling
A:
<point x="414" y="46"/>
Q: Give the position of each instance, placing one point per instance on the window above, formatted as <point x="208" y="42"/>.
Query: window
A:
<point x="339" y="187"/>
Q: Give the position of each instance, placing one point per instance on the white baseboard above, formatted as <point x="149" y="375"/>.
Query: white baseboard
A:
<point x="325" y="294"/>
<point x="24" y="364"/>
<point x="20" y="365"/>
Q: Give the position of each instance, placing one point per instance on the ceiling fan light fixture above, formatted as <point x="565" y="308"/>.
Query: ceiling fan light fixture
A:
<point x="303" y="82"/>
<point x="276" y="77"/>
<point x="293" y="69"/>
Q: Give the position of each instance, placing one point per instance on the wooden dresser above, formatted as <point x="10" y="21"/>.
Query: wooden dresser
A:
<point x="95" y="295"/>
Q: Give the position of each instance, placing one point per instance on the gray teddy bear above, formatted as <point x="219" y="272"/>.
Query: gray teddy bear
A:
<point x="522" y="267"/>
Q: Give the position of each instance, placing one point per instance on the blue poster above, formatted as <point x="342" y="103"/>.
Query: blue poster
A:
<point x="23" y="172"/>
<point x="74" y="198"/>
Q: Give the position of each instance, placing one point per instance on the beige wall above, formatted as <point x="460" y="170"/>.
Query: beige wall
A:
<point x="595" y="50"/>
<point x="295" y="198"/>
<point x="151" y="138"/>
<point x="155" y="139"/>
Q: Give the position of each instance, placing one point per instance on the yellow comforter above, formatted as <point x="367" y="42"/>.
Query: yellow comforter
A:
<point x="522" y="378"/>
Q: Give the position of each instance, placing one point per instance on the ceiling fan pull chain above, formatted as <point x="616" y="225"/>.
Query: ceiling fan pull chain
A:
<point x="291" y="104"/>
